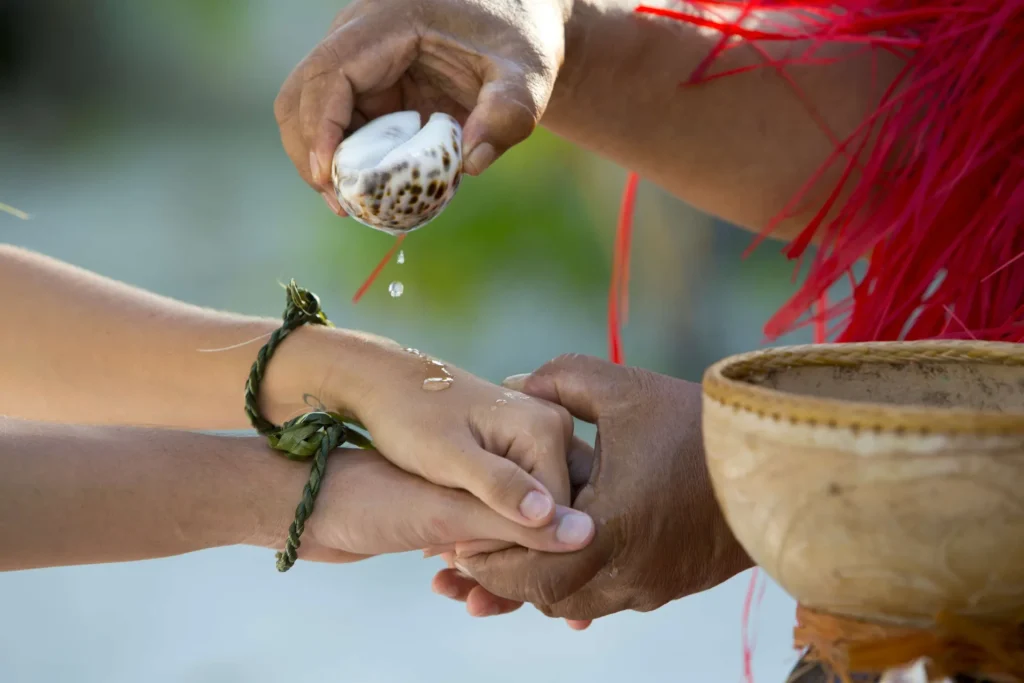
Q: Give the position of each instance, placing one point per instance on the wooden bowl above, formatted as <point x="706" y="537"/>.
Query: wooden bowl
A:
<point x="882" y="481"/>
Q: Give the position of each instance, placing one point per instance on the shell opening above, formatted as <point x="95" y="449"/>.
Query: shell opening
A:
<point x="396" y="176"/>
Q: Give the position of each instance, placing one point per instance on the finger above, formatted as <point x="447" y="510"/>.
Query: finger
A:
<point x="508" y="108"/>
<point x="579" y="624"/>
<point x="503" y="486"/>
<point x="410" y="513"/>
<point x="534" y="577"/>
<point x="542" y="451"/>
<point x="483" y="603"/>
<point x="584" y="385"/>
<point x="286" y="112"/>
<point x="581" y="465"/>
<point x="453" y="584"/>
<point x="325" y="113"/>
<point x="449" y="516"/>
<point x="478" y="547"/>
<point x="314" y="109"/>
<point x="435" y="550"/>
<point x="479" y="602"/>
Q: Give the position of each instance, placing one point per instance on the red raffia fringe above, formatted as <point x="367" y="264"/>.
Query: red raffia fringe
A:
<point x="938" y="209"/>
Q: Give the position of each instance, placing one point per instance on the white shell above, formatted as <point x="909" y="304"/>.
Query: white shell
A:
<point x="395" y="176"/>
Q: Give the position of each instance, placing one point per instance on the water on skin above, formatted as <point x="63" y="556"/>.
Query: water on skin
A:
<point x="437" y="383"/>
<point x="440" y="379"/>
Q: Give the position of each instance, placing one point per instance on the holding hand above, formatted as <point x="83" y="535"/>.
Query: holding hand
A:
<point x="490" y="64"/>
<point x="660" y="534"/>
<point x="368" y="507"/>
<point x="506" y="448"/>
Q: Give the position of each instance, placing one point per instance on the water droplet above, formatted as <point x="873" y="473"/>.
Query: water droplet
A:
<point x="613" y="572"/>
<point x="501" y="401"/>
<point x="437" y="383"/>
<point x="401" y="256"/>
<point x="395" y="289"/>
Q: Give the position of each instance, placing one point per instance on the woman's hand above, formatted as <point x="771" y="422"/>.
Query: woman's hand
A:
<point x="368" y="507"/>
<point x="504" y="447"/>
<point x="489" y="63"/>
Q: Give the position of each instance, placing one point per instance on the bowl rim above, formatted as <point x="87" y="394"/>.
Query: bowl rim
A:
<point x="863" y="415"/>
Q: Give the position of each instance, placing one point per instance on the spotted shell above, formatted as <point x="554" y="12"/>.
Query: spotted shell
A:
<point x="396" y="176"/>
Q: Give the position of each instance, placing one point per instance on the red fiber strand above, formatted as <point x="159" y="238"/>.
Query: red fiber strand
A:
<point x="380" y="266"/>
<point x="619" y="287"/>
<point x="745" y="634"/>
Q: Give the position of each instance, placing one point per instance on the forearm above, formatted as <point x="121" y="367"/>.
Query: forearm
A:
<point x="81" y="348"/>
<point x="739" y="147"/>
<point x="82" y="495"/>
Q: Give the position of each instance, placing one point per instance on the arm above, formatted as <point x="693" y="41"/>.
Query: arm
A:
<point x="596" y="73"/>
<point x="74" y="495"/>
<point x="81" y="495"/>
<point x="82" y="348"/>
<point x="740" y="147"/>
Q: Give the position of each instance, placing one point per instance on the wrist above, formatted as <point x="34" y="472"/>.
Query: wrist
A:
<point x="270" y="486"/>
<point x="319" y="367"/>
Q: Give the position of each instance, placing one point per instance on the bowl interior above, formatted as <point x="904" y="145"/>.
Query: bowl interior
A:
<point x="960" y="385"/>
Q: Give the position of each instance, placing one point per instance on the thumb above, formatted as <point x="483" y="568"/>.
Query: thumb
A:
<point x="483" y="530"/>
<point x="586" y="386"/>
<point x="507" y="111"/>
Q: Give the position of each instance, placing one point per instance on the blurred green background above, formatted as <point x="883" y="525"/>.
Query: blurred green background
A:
<point x="140" y="137"/>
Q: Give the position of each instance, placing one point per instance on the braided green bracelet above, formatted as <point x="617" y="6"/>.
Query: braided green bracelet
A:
<point x="314" y="434"/>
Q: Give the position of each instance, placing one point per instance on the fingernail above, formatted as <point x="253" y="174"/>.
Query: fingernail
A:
<point x="480" y="158"/>
<point x="332" y="202"/>
<point x="314" y="167"/>
<point x="489" y="611"/>
<point x="462" y="570"/>
<point x="516" y="382"/>
<point x="535" y="505"/>
<point x="574" y="528"/>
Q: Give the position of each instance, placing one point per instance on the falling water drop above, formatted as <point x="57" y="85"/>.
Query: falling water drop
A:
<point x="401" y="256"/>
<point x="395" y="289"/>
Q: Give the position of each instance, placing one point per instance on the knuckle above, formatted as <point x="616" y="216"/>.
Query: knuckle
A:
<point x="283" y="106"/>
<point x="566" y="362"/>
<point x="321" y="61"/>
<point x="551" y="423"/>
<point x="504" y="481"/>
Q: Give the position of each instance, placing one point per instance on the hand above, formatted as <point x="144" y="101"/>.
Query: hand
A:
<point x="506" y="448"/>
<point x="489" y="63"/>
<point x="368" y="507"/>
<point x="660" y="534"/>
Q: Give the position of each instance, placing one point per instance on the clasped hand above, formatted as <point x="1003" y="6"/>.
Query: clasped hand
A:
<point x="644" y="486"/>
